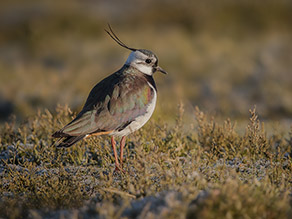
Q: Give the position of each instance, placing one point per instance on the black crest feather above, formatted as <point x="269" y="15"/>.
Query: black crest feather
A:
<point x="111" y="33"/>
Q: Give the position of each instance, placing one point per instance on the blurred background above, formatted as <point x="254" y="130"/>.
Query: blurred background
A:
<point x="223" y="56"/>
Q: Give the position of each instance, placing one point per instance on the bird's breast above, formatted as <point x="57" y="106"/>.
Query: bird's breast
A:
<point x="140" y="120"/>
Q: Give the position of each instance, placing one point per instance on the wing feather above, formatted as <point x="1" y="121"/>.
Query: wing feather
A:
<point x="112" y="104"/>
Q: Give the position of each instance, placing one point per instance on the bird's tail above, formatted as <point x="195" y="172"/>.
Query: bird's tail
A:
<point x="68" y="141"/>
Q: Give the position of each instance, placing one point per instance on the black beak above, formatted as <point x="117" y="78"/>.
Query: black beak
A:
<point x="161" y="70"/>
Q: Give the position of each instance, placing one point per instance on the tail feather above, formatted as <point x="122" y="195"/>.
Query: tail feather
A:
<point x="60" y="134"/>
<point x="69" y="141"/>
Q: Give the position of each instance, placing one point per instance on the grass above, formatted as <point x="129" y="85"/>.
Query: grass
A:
<point x="208" y="171"/>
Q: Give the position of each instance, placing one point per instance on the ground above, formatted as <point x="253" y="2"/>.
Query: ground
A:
<point x="208" y="171"/>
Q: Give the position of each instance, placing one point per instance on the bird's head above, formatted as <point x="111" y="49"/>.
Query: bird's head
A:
<point x="143" y="60"/>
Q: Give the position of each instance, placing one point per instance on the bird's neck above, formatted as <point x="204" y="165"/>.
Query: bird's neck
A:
<point x="130" y="70"/>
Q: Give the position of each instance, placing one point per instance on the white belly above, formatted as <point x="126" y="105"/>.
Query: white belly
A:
<point x="139" y="121"/>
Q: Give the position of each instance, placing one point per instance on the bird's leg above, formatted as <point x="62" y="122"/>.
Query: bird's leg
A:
<point x="115" y="153"/>
<point x="122" y="144"/>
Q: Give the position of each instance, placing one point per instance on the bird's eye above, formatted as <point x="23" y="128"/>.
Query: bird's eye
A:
<point x="148" y="61"/>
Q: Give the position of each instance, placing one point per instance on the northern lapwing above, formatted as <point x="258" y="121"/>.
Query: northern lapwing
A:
<point x="118" y="105"/>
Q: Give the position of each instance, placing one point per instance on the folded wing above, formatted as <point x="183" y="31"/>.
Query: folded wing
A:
<point x="111" y="105"/>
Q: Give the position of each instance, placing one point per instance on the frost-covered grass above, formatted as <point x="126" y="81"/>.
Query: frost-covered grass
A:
<point x="208" y="170"/>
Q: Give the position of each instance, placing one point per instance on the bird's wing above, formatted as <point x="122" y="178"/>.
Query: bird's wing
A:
<point x="111" y="105"/>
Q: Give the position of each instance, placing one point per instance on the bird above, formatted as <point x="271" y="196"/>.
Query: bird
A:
<point x="118" y="105"/>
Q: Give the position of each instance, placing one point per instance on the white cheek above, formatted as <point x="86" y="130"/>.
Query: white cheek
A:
<point x="144" y="68"/>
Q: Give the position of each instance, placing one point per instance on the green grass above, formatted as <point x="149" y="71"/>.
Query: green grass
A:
<point x="208" y="171"/>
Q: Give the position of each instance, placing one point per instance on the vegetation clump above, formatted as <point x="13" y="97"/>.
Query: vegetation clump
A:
<point x="209" y="170"/>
